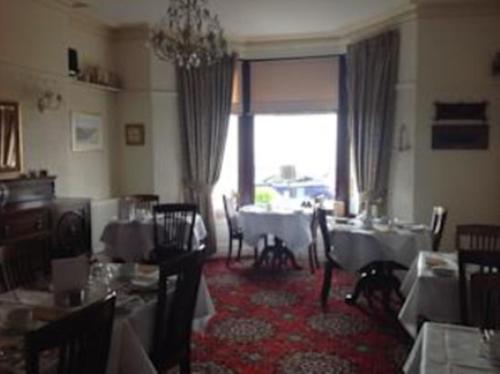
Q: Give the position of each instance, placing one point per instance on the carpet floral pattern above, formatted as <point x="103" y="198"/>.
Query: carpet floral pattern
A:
<point x="271" y="322"/>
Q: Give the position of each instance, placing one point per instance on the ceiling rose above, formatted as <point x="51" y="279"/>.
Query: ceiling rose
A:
<point x="189" y="35"/>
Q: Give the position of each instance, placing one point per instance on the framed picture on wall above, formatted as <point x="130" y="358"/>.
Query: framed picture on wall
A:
<point x="86" y="131"/>
<point x="134" y="134"/>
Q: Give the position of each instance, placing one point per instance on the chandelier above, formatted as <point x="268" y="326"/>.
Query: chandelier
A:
<point x="189" y="35"/>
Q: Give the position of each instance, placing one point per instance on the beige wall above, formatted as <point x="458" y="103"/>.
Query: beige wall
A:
<point x="401" y="182"/>
<point x="34" y="37"/>
<point x="149" y="97"/>
<point x="455" y="51"/>
<point x="446" y="55"/>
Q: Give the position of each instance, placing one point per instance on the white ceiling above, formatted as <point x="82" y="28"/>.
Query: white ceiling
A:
<point x="259" y="19"/>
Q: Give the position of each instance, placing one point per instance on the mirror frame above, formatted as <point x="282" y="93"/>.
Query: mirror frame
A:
<point x="9" y="173"/>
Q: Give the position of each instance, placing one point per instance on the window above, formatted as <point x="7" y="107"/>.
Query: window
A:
<point x="295" y="157"/>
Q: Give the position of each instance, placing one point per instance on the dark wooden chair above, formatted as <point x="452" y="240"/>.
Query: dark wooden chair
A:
<point x="438" y="222"/>
<point x="173" y="229"/>
<point x="175" y="311"/>
<point x="483" y="237"/>
<point x="81" y="340"/>
<point x="479" y="287"/>
<point x="21" y="266"/>
<point x="313" y="247"/>
<point x="330" y="263"/>
<point x="71" y="235"/>
<point x="235" y="232"/>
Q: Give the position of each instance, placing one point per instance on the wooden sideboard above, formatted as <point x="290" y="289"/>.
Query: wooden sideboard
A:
<point x="30" y="214"/>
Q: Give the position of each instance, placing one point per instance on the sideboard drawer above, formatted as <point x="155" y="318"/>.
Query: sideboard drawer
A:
<point x="25" y="224"/>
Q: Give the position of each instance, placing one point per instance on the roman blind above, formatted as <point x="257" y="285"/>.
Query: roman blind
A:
<point x="294" y="86"/>
<point x="236" y="103"/>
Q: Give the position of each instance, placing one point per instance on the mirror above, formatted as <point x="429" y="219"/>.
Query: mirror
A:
<point x="10" y="139"/>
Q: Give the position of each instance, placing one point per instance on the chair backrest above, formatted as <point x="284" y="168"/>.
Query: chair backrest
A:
<point x="438" y="222"/>
<point x="71" y="236"/>
<point x="482" y="237"/>
<point x="230" y="212"/>
<point x="177" y="294"/>
<point x="81" y="340"/>
<point x="20" y="266"/>
<point x="479" y="286"/>
<point x="173" y="228"/>
<point x="325" y="232"/>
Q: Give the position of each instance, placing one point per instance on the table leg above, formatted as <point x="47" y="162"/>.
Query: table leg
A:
<point x="267" y="251"/>
<point x="362" y="285"/>
<point x="278" y="255"/>
<point x="286" y="254"/>
<point x="378" y="275"/>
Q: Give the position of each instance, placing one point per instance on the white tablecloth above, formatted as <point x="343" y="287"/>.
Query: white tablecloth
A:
<point x="447" y="349"/>
<point x="293" y="227"/>
<point x="433" y="297"/>
<point x="354" y="247"/>
<point x="132" y="241"/>
<point x="132" y="335"/>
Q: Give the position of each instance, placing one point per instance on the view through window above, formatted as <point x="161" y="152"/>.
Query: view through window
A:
<point x="295" y="158"/>
<point x="295" y="161"/>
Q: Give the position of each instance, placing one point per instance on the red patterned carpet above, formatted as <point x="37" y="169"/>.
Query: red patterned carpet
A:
<point x="271" y="322"/>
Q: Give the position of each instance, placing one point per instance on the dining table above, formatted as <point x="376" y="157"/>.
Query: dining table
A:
<point x="290" y="230"/>
<point x="431" y="290"/>
<point x="450" y="349"/>
<point x="133" y="325"/>
<point x="377" y="250"/>
<point x="132" y="240"/>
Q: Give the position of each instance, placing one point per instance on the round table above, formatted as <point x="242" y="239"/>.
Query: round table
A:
<point x="355" y="247"/>
<point x="377" y="253"/>
<point x="290" y="228"/>
<point x="132" y="241"/>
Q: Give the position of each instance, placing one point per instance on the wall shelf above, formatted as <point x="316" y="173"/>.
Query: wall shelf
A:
<point x="95" y="86"/>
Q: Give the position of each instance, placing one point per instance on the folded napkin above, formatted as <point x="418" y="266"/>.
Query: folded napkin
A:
<point x="70" y="273"/>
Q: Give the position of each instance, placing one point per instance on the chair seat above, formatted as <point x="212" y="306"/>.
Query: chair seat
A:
<point x="237" y="234"/>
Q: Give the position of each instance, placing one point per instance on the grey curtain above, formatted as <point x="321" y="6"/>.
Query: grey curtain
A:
<point x="204" y="108"/>
<point x="372" y="70"/>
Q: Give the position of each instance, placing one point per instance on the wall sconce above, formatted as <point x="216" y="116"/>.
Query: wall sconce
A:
<point x="49" y="100"/>
<point x="495" y="66"/>
<point x="403" y="139"/>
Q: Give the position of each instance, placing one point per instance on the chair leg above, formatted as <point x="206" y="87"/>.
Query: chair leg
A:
<point x="230" y="250"/>
<point x="185" y="365"/>
<point x="327" y="284"/>
<point x="315" y="254"/>
<point x="311" y="259"/>
<point x="240" y="246"/>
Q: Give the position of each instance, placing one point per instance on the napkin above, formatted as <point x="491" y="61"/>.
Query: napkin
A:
<point x="70" y="273"/>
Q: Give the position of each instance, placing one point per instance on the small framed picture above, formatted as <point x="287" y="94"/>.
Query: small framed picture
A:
<point x="86" y="131"/>
<point x="134" y="134"/>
